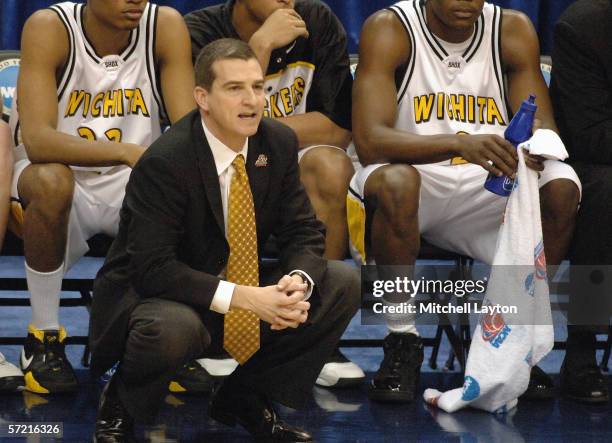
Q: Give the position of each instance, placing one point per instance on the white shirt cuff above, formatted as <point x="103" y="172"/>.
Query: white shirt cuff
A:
<point x="310" y="283"/>
<point x="223" y="297"/>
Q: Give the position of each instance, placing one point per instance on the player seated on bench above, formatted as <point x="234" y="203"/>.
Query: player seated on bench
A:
<point x="11" y="378"/>
<point x="95" y="82"/>
<point x="429" y="112"/>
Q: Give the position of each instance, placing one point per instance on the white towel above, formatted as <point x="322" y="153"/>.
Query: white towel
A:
<point x="506" y="346"/>
<point x="546" y="143"/>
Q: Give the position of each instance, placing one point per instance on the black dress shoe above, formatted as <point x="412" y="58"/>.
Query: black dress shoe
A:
<point x="540" y="386"/>
<point x="113" y="423"/>
<point x="254" y="412"/>
<point x="586" y="384"/>
<point x="397" y="378"/>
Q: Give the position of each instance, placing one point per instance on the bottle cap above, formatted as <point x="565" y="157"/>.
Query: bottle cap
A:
<point x="529" y="104"/>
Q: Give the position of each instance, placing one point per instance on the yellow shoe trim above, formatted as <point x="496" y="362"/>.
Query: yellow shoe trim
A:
<point x="62" y="334"/>
<point x="32" y="385"/>
<point x="38" y="333"/>
<point x="176" y="387"/>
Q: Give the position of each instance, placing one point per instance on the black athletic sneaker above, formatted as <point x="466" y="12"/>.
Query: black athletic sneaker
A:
<point x="340" y="372"/>
<point x="398" y="376"/>
<point x="586" y="384"/>
<point x="540" y="386"/>
<point x="44" y="364"/>
<point x="192" y="378"/>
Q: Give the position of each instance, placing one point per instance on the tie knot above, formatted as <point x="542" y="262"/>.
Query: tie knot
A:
<point x="238" y="165"/>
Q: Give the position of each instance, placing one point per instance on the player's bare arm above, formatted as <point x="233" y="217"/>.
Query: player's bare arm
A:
<point x="313" y="128"/>
<point x="44" y="52"/>
<point x="521" y="59"/>
<point x="6" y="169"/>
<point x="173" y="53"/>
<point x="384" y="47"/>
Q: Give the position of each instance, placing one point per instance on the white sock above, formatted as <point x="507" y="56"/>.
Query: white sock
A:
<point x="45" y="288"/>
<point x="400" y="323"/>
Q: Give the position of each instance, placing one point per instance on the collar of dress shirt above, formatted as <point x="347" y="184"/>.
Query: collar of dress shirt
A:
<point x="223" y="155"/>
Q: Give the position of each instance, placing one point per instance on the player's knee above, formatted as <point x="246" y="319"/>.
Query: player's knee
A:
<point x="398" y="191"/>
<point x="560" y="200"/>
<point x="50" y="185"/>
<point x="330" y="169"/>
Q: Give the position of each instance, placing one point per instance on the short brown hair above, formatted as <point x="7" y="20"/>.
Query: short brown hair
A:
<point x="222" y="49"/>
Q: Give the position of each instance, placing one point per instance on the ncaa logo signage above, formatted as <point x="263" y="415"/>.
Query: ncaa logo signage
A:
<point x="494" y="329"/>
<point x="471" y="389"/>
<point x="540" y="261"/>
<point x="8" y="81"/>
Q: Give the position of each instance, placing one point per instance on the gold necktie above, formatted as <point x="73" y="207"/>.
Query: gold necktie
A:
<point x="241" y="327"/>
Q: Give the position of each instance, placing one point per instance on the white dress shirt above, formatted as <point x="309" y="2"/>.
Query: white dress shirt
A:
<point x="224" y="156"/>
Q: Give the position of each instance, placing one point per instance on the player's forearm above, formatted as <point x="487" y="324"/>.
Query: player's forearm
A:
<point x="314" y="128"/>
<point x="388" y="145"/>
<point x="51" y="146"/>
<point x="262" y="49"/>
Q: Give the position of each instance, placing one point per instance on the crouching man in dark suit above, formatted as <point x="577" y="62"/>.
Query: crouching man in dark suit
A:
<point x="183" y="276"/>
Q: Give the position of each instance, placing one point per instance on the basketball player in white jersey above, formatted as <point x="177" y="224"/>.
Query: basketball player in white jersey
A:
<point x="6" y="169"/>
<point x="11" y="378"/>
<point x="95" y="81"/>
<point x="429" y="113"/>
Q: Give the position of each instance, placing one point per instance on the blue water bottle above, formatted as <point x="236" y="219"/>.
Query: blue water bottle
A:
<point x="517" y="132"/>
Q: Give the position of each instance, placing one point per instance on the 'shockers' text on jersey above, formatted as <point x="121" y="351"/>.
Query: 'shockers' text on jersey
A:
<point x="116" y="102"/>
<point x="458" y="107"/>
<point x="286" y="100"/>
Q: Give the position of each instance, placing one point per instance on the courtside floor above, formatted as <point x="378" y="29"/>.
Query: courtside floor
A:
<point x="332" y="415"/>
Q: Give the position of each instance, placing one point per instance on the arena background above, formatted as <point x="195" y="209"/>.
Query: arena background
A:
<point x="352" y="13"/>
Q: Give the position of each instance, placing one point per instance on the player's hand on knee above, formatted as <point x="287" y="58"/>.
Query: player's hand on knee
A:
<point x="535" y="162"/>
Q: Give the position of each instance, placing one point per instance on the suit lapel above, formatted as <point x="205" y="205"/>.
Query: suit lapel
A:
<point x="208" y="171"/>
<point x="258" y="169"/>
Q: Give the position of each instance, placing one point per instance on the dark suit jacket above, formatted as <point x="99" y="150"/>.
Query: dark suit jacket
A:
<point x="171" y="242"/>
<point x="581" y="84"/>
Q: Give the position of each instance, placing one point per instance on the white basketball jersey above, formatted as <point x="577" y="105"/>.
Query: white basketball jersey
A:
<point x="287" y="90"/>
<point x="115" y="97"/>
<point x="448" y="88"/>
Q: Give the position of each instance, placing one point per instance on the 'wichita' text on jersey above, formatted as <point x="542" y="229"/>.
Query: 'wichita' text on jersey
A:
<point x="116" y="102"/>
<point x="459" y="107"/>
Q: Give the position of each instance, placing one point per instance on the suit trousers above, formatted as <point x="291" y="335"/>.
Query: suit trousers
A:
<point x="163" y="335"/>
<point x="591" y="252"/>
